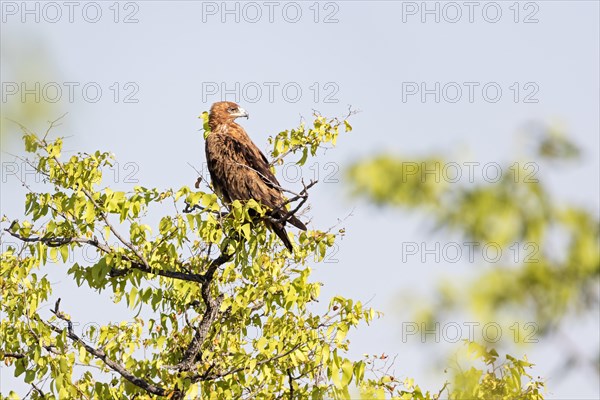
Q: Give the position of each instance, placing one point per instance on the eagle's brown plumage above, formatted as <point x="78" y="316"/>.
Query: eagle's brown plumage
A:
<point x="239" y="170"/>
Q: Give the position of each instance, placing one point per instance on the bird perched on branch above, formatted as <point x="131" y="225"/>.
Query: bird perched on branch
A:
<point x="240" y="171"/>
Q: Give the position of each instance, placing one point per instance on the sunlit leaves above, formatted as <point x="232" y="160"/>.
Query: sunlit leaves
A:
<point x="267" y="339"/>
<point x="307" y="140"/>
<point x="205" y="126"/>
<point x="263" y="288"/>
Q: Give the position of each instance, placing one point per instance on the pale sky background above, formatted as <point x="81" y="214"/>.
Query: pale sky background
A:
<point x="361" y="57"/>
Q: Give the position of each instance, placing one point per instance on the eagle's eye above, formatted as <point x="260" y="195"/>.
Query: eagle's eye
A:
<point x="231" y="109"/>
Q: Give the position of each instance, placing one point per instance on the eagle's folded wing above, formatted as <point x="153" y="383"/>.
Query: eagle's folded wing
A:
<point x="239" y="173"/>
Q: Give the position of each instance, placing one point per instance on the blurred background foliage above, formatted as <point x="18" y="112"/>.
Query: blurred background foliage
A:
<point x="26" y="62"/>
<point x="552" y="270"/>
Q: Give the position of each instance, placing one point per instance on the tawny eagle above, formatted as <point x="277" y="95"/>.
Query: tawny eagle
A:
<point x="240" y="171"/>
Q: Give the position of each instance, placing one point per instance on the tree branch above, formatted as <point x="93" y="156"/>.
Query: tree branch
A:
<point x="37" y="389"/>
<point x="302" y="196"/>
<point x="189" y="208"/>
<point x="208" y="318"/>
<point x="12" y="355"/>
<point x="291" y="383"/>
<point x="56" y="242"/>
<point x="150" y="387"/>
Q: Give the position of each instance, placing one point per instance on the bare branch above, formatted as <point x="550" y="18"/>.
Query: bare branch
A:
<point x="302" y="196"/>
<point x="37" y="389"/>
<point x="439" y="394"/>
<point x="53" y="124"/>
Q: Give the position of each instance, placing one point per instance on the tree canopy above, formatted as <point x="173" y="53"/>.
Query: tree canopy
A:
<point x="219" y="308"/>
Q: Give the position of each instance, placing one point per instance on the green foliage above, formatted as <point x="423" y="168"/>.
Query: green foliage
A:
<point x="228" y="312"/>
<point x="495" y="380"/>
<point x="307" y="140"/>
<point x="498" y="381"/>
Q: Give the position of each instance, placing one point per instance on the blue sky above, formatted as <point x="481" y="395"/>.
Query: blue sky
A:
<point x="170" y="61"/>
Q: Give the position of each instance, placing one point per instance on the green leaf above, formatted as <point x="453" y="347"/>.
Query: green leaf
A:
<point x="19" y="367"/>
<point x="347" y="126"/>
<point x="304" y="157"/>
<point x="90" y="214"/>
<point x="82" y="354"/>
<point x="54" y="254"/>
<point x="347" y="371"/>
<point x="29" y="376"/>
<point x="246" y="230"/>
<point x="64" y="252"/>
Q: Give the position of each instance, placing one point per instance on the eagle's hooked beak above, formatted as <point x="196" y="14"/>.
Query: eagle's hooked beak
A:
<point x="241" y="113"/>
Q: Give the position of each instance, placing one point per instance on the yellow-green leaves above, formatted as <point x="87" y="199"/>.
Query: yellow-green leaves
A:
<point x="253" y="314"/>
<point x="265" y="325"/>
<point x="54" y="148"/>
<point x="307" y="140"/>
<point x="205" y="126"/>
<point x="31" y="142"/>
<point x="347" y="126"/>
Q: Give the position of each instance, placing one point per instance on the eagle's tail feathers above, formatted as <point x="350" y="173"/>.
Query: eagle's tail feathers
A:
<point x="280" y="231"/>
<point x="297" y="223"/>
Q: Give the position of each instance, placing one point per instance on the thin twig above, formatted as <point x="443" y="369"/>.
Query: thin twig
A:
<point x="37" y="389"/>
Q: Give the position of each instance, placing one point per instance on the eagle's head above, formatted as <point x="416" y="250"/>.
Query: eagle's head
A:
<point x="226" y="111"/>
